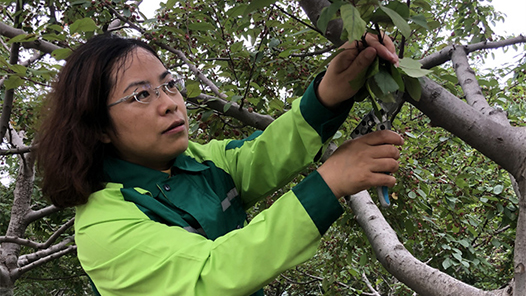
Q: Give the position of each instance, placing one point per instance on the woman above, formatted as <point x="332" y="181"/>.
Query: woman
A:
<point x="157" y="214"/>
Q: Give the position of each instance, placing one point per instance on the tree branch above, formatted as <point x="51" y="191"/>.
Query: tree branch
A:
<point x="20" y="150"/>
<point x="492" y="139"/>
<point x="366" y="280"/>
<point x="471" y="88"/>
<point x="444" y="55"/>
<point x="10" y="32"/>
<point x="20" y="241"/>
<point x="56" y="254"/>
<point x="418" y="276"/>
<point x="35" y="215"/>
<point x="253" y="119"/>
<point x="7" y="105"/>
<point x="28" y="258"/>
<point x="59" y="232"/>
<point x="313" y="9"/>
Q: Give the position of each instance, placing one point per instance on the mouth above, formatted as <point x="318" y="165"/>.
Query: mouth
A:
<point x="174" y="126"/>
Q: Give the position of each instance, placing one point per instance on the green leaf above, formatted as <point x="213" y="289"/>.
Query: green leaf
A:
<point x="13" y="81"/>
<point x="276" y="104"/>
<point x="397" y="76"/>
<point x="401" y="8"/>
<point x="192" y="89"/>
<point x="420" y="20"/>
<point x="398" y="21"/>
<point x="170" y="4"/>
<point x="257" y="4"/>
<point x="327" y="14"/>
<point x="364" y="259"/>
<point x="23" y="38"/>
<point x="423" y="4"/>
<point x="352" y="22"/>
<point x="273" y="42"/>
<point x="61" y="53"/>
<point x="385" y="81"/>
<point x="413" y="68"/>
<point x="422" y="193"/>
<point x="226" y="107"/>
<point x="413" y="87"/>
<point x="201" y="27"/>
<point x="498" y="189"/>
<point x="409" y="227"/>
<point x="237" y="10"/>
<point x="18" y="69"/>
<point x="83" y="25"/>
<point x="53" y="37"/>
<point x="55" y="27"/>
<point x="447" y="263"/>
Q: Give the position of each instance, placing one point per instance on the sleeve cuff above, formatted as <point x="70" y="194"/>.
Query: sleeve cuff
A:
<point x="326" y="122"/>
<point x="319" y="201"/>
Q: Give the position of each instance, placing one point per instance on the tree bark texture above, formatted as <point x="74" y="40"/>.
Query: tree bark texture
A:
<point x="420" y="277"/>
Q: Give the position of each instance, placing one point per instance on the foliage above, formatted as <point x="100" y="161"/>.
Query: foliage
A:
<point x="453" y="208"/>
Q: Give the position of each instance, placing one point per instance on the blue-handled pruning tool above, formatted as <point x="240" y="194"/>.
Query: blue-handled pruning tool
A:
<point x="380" y="120"/>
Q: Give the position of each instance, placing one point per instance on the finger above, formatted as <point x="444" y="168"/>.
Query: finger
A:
<point x="384" y="165"/>
<point x="386" y="49"/>
<point x="385" y="151"/>
<point x="380" y="179"/>
<point x="383" y="137"/>
<point x="361" y="62"/>
<point x="343" y="60"/>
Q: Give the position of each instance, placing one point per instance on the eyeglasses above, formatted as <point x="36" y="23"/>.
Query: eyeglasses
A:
<point x="144" y="93"/>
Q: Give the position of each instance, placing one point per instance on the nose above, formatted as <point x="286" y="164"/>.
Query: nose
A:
<point x="166" y="104"/>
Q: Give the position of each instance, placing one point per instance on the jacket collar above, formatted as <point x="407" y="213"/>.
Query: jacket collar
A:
<point x="133" y="175"/>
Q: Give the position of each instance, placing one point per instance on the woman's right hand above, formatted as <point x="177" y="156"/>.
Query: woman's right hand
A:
<point x="361" y="163"/>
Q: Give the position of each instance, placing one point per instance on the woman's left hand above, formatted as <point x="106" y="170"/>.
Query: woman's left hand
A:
<point x="346" y="66"/>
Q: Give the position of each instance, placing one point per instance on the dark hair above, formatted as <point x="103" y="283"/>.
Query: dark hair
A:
<point x="69" y="150"/>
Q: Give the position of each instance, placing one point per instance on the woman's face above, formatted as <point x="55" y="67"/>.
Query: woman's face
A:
<point x="152" y="134"/>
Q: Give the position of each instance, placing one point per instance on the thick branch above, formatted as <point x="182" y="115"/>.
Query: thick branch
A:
<point x="21" y="205"/>
<point x="471" y="88"/>
<point x="420" y="277"/>
<point x="10" y="32"/>
<point x="7" y="105"/>
<point x="313" y="9"/>
<point x="492" y="139"/>
<point x="444" y="55"/>
<point x="253" y="119"/>
<point x="519" y="254"/>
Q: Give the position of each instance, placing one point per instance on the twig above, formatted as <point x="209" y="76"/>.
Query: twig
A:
<point x="32" y="257"/>
<point x="21" y="270"/>
<point x="366" y="280"/>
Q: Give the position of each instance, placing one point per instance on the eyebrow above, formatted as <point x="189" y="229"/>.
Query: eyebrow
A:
<point x="143" y="82"/>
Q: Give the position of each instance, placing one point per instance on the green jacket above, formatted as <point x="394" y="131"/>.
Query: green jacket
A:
<point x="148" y="233"/>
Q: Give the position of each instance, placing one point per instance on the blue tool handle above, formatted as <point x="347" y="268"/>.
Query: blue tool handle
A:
<point x="383" y="196"/>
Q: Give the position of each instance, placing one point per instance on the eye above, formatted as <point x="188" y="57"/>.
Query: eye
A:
<point x="142" y="96"/>
<point x="173" y="86"/>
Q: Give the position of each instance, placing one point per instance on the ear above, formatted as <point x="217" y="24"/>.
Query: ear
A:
<point x="105" y="138"/>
